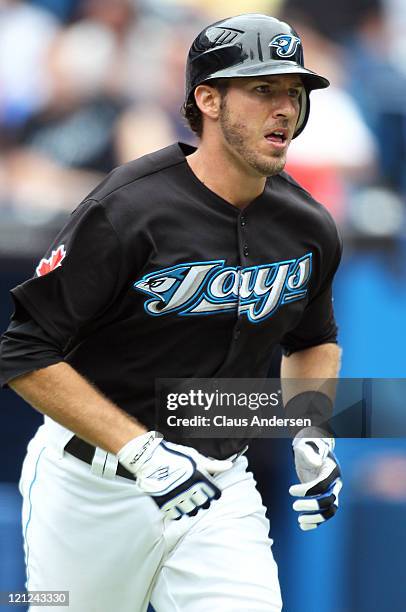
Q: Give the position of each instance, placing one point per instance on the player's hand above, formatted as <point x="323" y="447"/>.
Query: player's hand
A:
<point x="176" y="477"/>
<point x="319" y="472"/>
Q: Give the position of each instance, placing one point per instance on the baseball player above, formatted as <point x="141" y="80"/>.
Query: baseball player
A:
<point x="187" y="263"/>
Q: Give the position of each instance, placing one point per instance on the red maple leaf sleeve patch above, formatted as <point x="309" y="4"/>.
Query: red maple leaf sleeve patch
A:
<point x="47" y="265"/>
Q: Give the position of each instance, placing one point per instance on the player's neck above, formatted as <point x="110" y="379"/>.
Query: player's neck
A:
<point x="228" y="178"/>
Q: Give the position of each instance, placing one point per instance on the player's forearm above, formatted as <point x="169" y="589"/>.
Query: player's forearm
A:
<point x="64" y="395"/>
<point x="315" y="368"/>
<point x="321" y="361"/>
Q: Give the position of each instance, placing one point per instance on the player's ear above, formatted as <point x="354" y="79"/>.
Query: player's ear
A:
<point x="208" y="100"/>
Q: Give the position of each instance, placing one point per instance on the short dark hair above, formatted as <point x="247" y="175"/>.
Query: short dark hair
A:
<point x="192" y="113"/>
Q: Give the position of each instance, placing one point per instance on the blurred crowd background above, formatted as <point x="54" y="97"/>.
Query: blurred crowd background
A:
<point x="86" y="85"/>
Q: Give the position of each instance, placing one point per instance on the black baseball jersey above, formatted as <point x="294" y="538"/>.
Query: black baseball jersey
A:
<point x="155" y="276"/>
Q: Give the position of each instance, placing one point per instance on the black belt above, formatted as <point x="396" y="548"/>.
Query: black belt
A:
<point x="85" y="452"/>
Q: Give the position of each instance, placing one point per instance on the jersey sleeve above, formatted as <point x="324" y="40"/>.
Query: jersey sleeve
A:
<point x="317" y="324"/>
<point x="25" y="347"/>
<point x="78" y="279"/>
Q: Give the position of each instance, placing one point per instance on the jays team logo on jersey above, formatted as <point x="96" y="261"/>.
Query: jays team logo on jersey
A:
<point x="210" y="287"/>
<point x="285" y="44"/>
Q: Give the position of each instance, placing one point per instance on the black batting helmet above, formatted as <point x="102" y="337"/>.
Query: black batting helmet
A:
<point x="246" y="46"/>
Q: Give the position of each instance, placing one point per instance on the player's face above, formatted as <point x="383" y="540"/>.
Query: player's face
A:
<point x="258" y="117"/>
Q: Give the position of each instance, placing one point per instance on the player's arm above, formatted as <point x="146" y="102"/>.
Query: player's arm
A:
<point x="309" y="369"/>
<point x="177" y="478"/>
<point x="320" y="362"/>
<point x="303" y="374"/>
<point x="61" y="393"/>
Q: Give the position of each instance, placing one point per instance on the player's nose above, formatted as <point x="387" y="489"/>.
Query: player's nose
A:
<point x="284" y="105"/>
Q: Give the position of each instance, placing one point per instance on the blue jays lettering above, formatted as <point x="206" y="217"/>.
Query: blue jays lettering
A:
<point x="210" y="287"/>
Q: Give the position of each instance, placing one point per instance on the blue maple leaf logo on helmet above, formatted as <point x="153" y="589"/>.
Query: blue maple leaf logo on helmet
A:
<point x="286" y="45"/>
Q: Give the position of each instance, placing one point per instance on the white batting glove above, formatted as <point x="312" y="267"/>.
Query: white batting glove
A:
<point x="176" y="477"/>
<point x="319" y="472"/>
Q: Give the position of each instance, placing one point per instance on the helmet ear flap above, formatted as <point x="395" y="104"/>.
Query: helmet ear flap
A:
<point x="304" y="112"/>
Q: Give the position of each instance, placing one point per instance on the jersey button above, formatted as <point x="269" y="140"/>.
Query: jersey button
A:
<point x="243" y="221"/>
<point x="245" y="250"/>
<point x="237" y="334"/>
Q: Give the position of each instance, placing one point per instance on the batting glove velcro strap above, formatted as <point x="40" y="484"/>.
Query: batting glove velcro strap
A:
<point x="176" y="477"/>
<point x="320" y="475"/>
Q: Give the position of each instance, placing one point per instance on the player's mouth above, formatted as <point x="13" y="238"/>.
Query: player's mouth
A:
<point x="277" y="138"/>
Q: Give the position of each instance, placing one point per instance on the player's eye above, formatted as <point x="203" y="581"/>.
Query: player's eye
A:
<point x="262" y="89"/>
<point x="295" y="92"/>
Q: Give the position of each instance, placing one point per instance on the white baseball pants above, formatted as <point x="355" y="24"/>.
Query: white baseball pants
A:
<point x="106" y="542"/>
